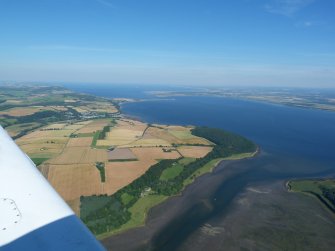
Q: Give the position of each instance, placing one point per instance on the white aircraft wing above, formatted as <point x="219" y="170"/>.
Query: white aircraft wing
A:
<point x="32" y="215"/>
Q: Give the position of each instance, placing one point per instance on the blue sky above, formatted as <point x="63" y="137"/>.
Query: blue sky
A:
<point x="189" y="42"/>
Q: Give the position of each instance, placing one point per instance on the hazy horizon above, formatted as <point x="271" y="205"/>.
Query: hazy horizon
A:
<point x="280" y="43"/>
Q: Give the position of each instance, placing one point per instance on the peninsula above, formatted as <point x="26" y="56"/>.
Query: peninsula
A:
<point x="110" y="169"/>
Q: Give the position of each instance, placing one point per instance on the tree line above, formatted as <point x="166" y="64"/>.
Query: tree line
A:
<point x="115" y="213"/>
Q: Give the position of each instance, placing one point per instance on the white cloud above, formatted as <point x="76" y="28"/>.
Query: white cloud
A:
<point x="286" y="7"/>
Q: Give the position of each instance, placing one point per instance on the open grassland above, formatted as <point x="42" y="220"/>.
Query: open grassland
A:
<point x="194" y="151"/>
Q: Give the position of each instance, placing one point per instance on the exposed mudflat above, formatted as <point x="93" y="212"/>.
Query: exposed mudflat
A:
<point x="242" y="205"/>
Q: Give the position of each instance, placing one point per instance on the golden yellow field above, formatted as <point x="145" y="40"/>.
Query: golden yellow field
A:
<point x="44" y="134"/>
<point x="156" y="142"/>
<point x="123" y="133"/>
<point x="71" y="167"/>
<point x="80" y="155"/>
<point x="22" y="111"/>
<point x="185" y="135"/>
<point x="154" y="153"/>
<point x="94" y="126"/>
<point x="80" y="142"/>
<point x="163" y="134"/>
<point x="175" y="135"/>
<point x="56" y="126"/>
<point x="73" y="126"/>
<point x="119" y="137"/>
<point x="35" y="148"/>
<point x="120" y="174"/>
<point x="194" y="151"/>
<point x="45" y="146"/>
<point x="72" y="181"/>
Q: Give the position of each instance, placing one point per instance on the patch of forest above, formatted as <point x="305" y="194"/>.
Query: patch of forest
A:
<point x="114" y="212"/>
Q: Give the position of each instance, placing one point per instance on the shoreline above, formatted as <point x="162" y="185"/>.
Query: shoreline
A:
<point x="319" y="197"/>
<point x="315" y="106"/>
<point x="168" y="215"/>
<point x="218" y="163"/>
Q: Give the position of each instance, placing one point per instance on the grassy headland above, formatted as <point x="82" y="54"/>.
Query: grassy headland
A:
<point x="323" y="190"/>
<point x="128" y="207"/>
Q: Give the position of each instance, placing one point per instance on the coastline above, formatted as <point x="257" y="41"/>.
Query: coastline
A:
<point x="267" y="100"/>
<point x="208" y="170"/>
<point x="309" y="192"/>
<point x="167" y="218"/>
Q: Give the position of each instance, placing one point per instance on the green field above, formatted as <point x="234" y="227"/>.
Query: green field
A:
<point x="176" y="169"/>
<point x="201" y="171"/>
<point x="126" y="198"/>
<point x="323" y="190"/>
<point x="138" y="212"/>
<point x="186" y="161"/>
<point x="172" y="172"/>
<point x="185" y="134"/>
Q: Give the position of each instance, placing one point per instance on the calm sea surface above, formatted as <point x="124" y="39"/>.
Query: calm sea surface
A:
<point x="277" y="129"/>
<point x="295" y="142"/>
